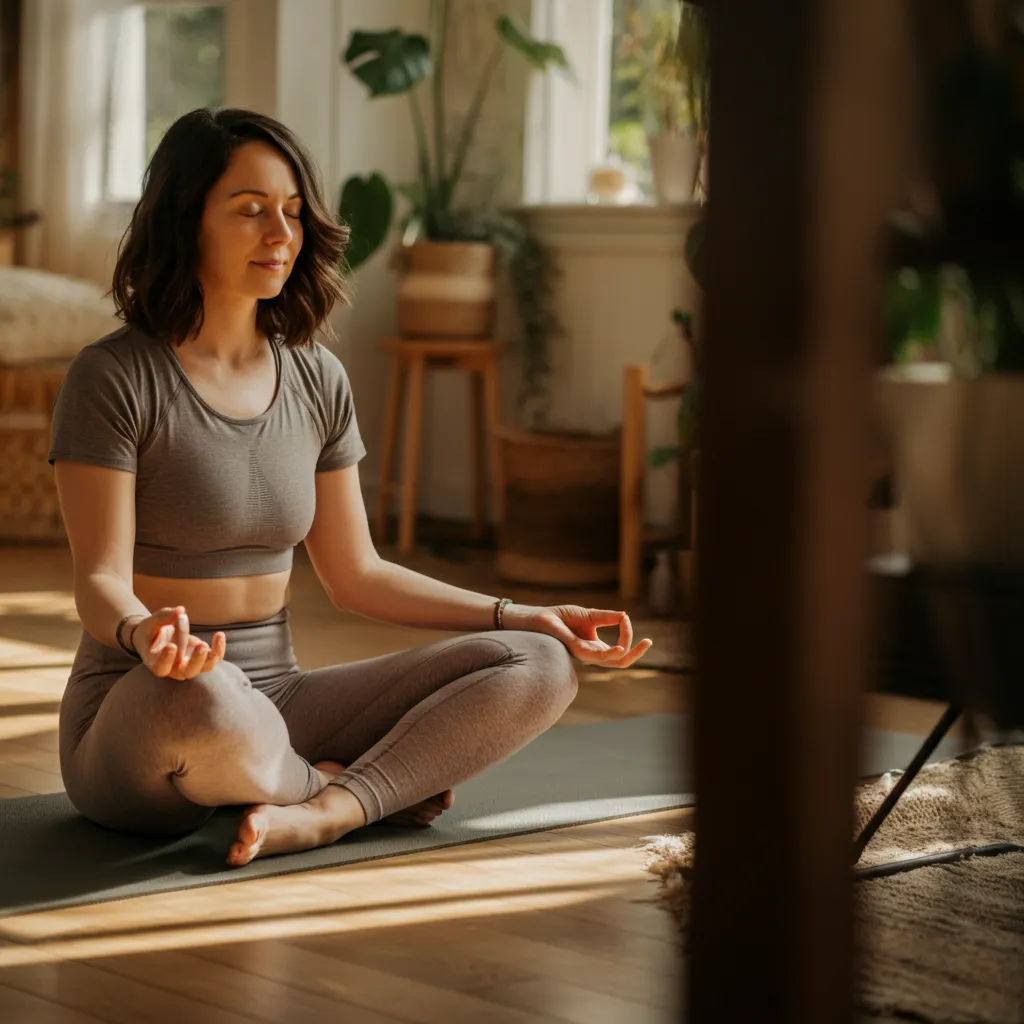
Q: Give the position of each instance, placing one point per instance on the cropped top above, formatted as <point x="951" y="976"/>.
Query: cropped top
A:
<point x="214" y="495"/>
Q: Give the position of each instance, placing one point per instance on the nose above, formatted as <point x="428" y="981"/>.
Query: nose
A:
<point x="279" y="230"/>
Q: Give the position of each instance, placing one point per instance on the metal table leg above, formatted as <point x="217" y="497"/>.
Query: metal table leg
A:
<point x="935" y="737"/>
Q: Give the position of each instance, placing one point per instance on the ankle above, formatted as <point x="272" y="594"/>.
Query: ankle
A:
<point x="344" y="812"/>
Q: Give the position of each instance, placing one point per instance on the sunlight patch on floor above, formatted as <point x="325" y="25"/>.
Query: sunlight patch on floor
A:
<point x="331" y="916"/>
<point x="16" y="654"/>
<point x="19" y="726"/>
<point x="39" y="602"/>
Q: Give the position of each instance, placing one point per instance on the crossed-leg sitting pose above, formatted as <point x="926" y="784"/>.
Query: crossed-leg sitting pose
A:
<point x="194" y="448"/>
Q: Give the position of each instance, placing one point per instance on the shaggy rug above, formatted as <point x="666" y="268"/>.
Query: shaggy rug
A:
<point x="942" y="944"/>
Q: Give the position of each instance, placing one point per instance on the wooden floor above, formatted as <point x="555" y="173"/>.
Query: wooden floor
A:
<point x="549" y="927"/>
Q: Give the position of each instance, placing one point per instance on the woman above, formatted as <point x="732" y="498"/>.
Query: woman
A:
<point x="193" y="449"/>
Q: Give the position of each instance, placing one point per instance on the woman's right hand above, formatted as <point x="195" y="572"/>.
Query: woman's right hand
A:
<point x="167" y="648"/>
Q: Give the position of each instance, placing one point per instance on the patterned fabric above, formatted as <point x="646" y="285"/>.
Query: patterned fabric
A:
<point x="49" y="316"/>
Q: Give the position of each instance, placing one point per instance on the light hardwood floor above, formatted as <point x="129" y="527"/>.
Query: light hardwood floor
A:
<point x="556" y="927"/>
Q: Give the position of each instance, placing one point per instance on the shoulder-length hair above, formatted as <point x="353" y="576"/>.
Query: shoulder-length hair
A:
<point x="155" y="284"/>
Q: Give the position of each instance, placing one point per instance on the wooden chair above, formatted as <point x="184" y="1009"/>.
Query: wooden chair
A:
<point x="633" y="532"/>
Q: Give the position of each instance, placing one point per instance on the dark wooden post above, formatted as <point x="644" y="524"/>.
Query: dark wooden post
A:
<point x="805" y="157"/>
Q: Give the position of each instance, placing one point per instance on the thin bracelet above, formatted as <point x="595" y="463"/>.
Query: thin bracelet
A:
<point x="120" y="641"/>
<point x="499" y="612"/>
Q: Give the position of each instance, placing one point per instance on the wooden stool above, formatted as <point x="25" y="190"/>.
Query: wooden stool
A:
<point x="411" y="359"/>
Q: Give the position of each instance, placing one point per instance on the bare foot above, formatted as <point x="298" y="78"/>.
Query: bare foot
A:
<point x="422" y="813"/>
<point x="267" y="829"/>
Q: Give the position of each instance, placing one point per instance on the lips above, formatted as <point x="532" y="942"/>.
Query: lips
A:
<point x="270" y="264"/>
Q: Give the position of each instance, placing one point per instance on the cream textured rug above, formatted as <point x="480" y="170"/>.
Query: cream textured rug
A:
<point x="941" y="944"/>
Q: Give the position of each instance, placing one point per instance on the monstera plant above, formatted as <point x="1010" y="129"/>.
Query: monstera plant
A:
<point x="395" y="62"/>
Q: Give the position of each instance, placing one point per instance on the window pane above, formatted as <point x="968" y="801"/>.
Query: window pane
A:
<point x="166" y="59"/>
<point x="184" y="65"/>
<point x="641" y="30"/>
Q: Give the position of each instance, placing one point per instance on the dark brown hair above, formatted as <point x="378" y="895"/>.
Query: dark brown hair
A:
<point x="155" y="283"/>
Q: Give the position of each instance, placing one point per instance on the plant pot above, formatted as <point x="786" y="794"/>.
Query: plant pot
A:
<point x="957" y="446"/>
<point x="675" y="161"/>
<point x="446" y="289"/>
<point x="561" y="522"/>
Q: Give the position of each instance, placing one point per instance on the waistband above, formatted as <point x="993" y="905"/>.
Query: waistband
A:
<point x="262" y="649"/>
<point x="231" y="627"/>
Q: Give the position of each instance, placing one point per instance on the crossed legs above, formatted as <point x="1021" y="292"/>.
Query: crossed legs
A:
<point x="160" y="754"/>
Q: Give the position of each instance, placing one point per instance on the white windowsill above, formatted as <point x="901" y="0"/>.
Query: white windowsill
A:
<point x="628" y="227"/>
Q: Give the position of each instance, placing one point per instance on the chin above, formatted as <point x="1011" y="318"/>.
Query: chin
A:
<point x="265" y="294"/>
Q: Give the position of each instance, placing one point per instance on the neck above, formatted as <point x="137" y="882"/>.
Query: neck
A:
<point x="229" y="330"/>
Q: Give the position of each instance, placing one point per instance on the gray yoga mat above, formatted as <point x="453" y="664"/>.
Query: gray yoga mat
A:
<point x="52" y="857"/>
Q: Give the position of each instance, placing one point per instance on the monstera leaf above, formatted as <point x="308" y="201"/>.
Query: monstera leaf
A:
<point x="539" y="54"/>
<point x="366" y="206"/>
<point x="390" y="62"/>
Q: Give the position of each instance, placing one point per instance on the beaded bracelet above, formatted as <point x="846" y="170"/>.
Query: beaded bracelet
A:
<point x="120" y="640"/>
<point x="499" y="612"/>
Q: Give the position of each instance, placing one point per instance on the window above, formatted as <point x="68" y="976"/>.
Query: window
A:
<point x="572" y="126"/>
<point x="639" y="28"/>
<point x="167" y="59"/>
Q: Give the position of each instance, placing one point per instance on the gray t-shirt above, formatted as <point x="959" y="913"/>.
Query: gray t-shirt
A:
<point x="214" y="495"/>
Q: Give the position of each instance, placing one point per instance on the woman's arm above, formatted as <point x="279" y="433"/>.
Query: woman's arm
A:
<point x="356" y="578"/>
<point x="98" y="506"/>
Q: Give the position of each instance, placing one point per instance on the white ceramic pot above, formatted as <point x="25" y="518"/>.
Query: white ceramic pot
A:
<point x="957" y="448"/>
<point x="675" y="162"/>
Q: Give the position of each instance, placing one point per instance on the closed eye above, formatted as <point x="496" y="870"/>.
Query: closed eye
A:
<point x="290" y="216"/>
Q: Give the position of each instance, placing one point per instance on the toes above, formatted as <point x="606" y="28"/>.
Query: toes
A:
<point x="251" y="831"/>
<point x="251" y="827"/>
<point x="240" y="854"/>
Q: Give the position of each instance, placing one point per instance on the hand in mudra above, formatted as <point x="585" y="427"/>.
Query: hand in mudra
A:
<point x="577" y="628"/>
<point x="167" y="648"/>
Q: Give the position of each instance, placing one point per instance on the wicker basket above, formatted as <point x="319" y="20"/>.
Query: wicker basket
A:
<point x="29" y="510"/>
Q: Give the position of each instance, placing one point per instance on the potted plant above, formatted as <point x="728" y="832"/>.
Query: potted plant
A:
<point x="447" y="259"/>
<point x="951" y="398"/>
<point x="664" y="56"/>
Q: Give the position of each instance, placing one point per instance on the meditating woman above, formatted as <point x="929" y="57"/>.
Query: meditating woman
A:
<point x="194" y="448"/>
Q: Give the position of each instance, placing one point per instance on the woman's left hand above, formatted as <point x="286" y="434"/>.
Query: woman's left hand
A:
<point x="577" y="628"/>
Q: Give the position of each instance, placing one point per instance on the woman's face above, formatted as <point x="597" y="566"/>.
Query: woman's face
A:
<point x="250" y="233"/>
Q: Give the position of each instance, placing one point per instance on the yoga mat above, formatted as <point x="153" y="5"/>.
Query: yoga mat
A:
<point x="52" y="857"/>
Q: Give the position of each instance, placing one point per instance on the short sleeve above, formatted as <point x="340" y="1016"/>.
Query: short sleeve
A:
<point x="343" y="445"/>
<point x="96" y="413"/>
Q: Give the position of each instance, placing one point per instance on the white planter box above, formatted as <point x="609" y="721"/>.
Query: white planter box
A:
<point x="958" y="456"/>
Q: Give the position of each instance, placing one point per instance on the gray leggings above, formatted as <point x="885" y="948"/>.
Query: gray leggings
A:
<point x="145" y="754"/>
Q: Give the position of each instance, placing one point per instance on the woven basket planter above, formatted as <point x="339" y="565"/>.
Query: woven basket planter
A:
<point x="561" y="524"/>
<point x="29" y="510"/>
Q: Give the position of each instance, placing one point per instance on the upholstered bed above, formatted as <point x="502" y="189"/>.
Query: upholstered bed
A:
<point x="45" y="319"/>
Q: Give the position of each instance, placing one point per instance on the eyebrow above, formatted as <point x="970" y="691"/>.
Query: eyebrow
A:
<point x="257" y="192"/>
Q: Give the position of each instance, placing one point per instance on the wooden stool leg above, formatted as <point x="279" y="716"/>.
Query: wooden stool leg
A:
<point x="477" y="438"/>
<point x="396" y="382"/>
<point x="492" y="406"/>
<point x="411" y="456"/>
<point x="631" y="486"/>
